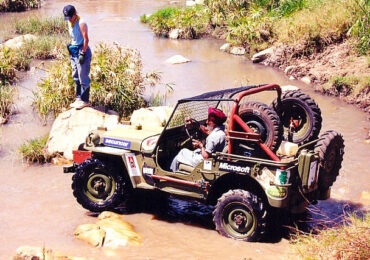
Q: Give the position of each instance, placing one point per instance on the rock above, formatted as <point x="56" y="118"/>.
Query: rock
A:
<point x="289" y="69"/>
<point x="60" y="161"/>
<point x="17" y="42"/>
<point x="199" y="2"/>
<point x="174" y="34"/>
<point x="42" y="253"/>
<point x="177" y="59"/>
<point x="190" y="3"/>
<point x="289" y="88"/>
<point x="90" y="233"/>
<point x="262" y="55"/>
<point x="70" y="129"/>
<point x="292" y="78"/>
<point x="306" y="80"/>
<point x="110" y="231"/>
<point x="237" y="50"/>
<point x="151" y="116"/>
<point x="226" y="47"/>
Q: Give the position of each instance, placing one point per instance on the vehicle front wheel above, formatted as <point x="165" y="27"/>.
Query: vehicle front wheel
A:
<point x="240" y="215"/>
<point x="98" y="186"/>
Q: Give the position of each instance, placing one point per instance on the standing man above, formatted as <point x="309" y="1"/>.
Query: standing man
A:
<point x="215" y="141"/>
<point x="80" y="55"/>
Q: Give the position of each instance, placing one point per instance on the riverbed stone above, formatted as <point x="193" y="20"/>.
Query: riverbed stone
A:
<point x="42" y="253"/>
<point x="110" y="231"/>
<point x="174" y="34"/>
<point x="306" y="80"/>
<point x="151" y="116"/>
<point x="70" y="129"/>
<point x="18" y="41"/>
<point x="225" y="47"/>
<point x="289" y="88"/>
<point x="237" y="50"/>
<point x="177" y="59"/>
<point x="288" y="70"/>
<point x="190" y="3"/>
<point x="262" y="55"/>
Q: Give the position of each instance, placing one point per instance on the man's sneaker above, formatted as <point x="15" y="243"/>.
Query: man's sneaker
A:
<point x="82" y="105"/>
<point x="77" y="103"/>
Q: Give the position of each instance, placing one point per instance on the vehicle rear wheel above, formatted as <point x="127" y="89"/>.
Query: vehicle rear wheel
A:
<point x="240" y="215"/>
<point x="331" y="151"/>
<point x="300" y="116"/>
<point x="98" y="186"/>
<point x="262" y="120"/>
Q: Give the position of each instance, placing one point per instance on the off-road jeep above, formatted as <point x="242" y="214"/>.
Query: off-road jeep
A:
<point x="243" y="183"/>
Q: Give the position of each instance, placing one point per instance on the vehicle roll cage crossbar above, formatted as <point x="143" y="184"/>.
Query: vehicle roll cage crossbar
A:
<point x="228" y="95"/>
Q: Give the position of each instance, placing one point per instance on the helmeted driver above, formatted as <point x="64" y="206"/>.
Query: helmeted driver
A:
<point x="215" y="141"/>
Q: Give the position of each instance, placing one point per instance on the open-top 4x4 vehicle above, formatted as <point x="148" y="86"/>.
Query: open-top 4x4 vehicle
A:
<point x="243" y="182"/>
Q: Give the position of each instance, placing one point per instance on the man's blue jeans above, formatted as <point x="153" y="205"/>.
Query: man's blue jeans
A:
<point x="80" y="74"/>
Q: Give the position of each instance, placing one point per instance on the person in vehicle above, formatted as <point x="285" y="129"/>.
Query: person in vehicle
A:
<point x="215" y="141"/>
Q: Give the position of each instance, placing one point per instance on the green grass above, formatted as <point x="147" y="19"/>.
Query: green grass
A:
<point x="191" y="21"/>
<point x="41" y="26"/>
<point x="350" y="85"/>
<point x="34" y="150"/>
<point x="258" y="24"/>
<point x="7" y="96"/>
<point x="348" y="241"/>
<point x="116" y="82"/>
<point x="18" y="5"/>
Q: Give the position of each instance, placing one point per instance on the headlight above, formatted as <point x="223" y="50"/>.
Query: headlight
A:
<point x="92" y="139"/>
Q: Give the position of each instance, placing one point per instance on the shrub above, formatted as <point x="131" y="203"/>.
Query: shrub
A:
<point x="116" y="82"/>
<point x="18" y="5"/>
<point x="41" y="26"/>
<point x="34" y="150"/>
<point x="192" y="21"/>
<point x="350" y="85"/>
<point x="7" y="94"/>
<point x="349" y="241"/>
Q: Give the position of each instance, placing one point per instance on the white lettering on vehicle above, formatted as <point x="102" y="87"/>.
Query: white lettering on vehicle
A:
<point x="234" y="168"/>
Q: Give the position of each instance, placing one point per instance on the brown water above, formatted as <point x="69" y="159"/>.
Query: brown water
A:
<point x="38" y="205"/>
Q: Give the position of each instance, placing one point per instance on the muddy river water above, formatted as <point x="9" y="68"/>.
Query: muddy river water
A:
<point x="38" y="207"/>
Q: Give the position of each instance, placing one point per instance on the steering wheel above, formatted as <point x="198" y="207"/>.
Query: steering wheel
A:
<point x="193" y="129"/>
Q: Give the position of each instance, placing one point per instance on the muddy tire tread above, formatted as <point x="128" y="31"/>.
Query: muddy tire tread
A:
<point x="259" y="209"/>
<point x="330" y="137"/>
<point x="78" y="182"/>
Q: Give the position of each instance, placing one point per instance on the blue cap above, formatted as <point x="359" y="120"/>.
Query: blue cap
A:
<point x="69" y="11"/>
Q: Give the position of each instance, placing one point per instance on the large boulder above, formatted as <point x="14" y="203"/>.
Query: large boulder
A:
<point x="262" y="55"/>
<point x="71" y="128"/>
<point x="151" y="116"/>
<point x="18" y="42"/>
<point x="110" y="231"/>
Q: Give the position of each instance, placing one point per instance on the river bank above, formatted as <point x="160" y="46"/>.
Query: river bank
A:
<point x="323" y="43"/>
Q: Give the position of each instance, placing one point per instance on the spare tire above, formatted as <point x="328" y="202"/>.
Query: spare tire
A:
<point x="301" y="111"/>
<point x="263" y="120"/>
<point x="331" y="151"/>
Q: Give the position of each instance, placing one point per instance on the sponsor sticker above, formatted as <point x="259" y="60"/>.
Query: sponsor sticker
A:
<point x="207" y="165"/>
<point x="117" y="143"/>
<point x="312" y="177"/>
<point x="132" y="165"/>
<point x="282" y="176"/>
<point x="234" y="168"/>
<point x="149" y="144"/>
<point x="278" y="192"/>
<point x="148" y="170"/>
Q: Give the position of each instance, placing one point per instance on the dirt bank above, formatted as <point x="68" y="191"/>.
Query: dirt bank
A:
<point x="323" y="68"/>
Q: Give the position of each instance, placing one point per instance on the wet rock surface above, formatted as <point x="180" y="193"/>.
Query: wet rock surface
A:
<point x="109" y="231"/>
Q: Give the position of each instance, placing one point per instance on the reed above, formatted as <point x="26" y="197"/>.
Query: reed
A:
<point x="34" y="150"/>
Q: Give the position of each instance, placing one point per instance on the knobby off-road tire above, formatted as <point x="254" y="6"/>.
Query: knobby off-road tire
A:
<point x="98" y="186"/>
<point x="240" y="215"/>
<point x="331" y="151"/>
<point x="298" y="106"/>
<point x="263" y="120"/>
